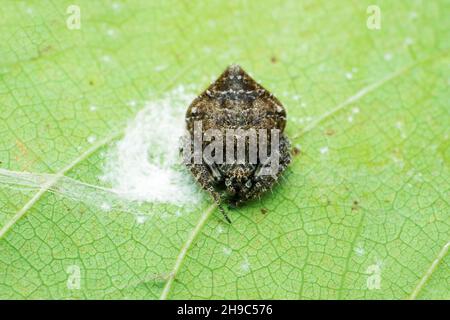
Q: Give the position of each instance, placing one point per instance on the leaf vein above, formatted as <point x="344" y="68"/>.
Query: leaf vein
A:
<point x="430" y="271"/>
<point x="184" y="250"/>
<point x="360" y="94"/>
<point x="58" y="175"/>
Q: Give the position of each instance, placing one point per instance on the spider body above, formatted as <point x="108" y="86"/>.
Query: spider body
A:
<point x="235" y="102"/>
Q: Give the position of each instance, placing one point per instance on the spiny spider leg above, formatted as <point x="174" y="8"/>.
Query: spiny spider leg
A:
<point x="206" y="179"/>
<point x="266" y="182"/>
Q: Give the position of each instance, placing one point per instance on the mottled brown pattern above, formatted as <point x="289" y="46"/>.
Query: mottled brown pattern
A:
<point x="236" y="101"/>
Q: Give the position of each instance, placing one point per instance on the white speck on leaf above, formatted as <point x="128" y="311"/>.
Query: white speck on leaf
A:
<point x="116" y="6"/>
<point x="91" y="139"/>
<point x="106" y="59"/>
<point x="140" y="219"/>
<point x="132" y="103"/>
<point x="399" y="126"/>
<point x="245" y="266"/>
<point x="388" y="56"/>
<point x="111" y="32"/>
<point x="418" y="177"/>
<point x="301" y="120"/>
<point x="227" y="251"/>
<point x="408" y="41"/>
<point x="160" y="68"/>
<point x="359" y="251"/>
<point x="413" y="15"/>
<point x="324" y="150"/>
<point x="105" y="206"/>
<point x="398" y="161"/>
<point x="212" y="23"/>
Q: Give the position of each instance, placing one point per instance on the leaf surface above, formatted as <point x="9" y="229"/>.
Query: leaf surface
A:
<point x="363" y="211"/>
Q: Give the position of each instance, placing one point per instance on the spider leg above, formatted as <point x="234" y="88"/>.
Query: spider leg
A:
<point x="264" y="183"/>
<point x="207" y="180"/>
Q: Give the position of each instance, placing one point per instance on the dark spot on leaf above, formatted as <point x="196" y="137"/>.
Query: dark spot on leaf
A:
<point x="295" y="151"/>
<point x="91" y="82"/>
<point x="264" y="210"/>
<point x="47" y="48"/>
<point x="330" y="132"/>
<point x="42" y="51"/>
<point x="273" y="59"/>
<point x="355" y="205"/>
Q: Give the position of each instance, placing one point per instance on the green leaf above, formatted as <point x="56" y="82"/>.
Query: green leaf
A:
<point x="363" y="211"/>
